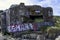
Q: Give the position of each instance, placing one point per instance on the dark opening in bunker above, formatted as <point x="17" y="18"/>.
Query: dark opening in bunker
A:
<point x="36" y="18"/>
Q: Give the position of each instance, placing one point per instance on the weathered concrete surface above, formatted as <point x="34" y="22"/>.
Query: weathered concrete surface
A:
<point x="5" y="37"/>
<point x="1" y="37"/>
<point x="58" y="38"/>
<point x="31" y="36"/>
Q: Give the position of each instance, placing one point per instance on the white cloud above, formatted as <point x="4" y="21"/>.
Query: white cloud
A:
<point x="5" y="4"/>
<point x="55" y="4"/>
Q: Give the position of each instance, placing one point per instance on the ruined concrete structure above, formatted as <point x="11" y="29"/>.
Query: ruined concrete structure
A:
<point x="17" y="13"/>
<point x="20" y="14"/>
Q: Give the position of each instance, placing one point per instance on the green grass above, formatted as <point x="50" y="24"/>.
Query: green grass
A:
<point x="39" y="20"/>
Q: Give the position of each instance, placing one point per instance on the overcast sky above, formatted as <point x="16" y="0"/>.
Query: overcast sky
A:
<point x="55" y="4"/>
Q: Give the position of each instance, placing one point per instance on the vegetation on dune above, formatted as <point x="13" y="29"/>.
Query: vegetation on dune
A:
<point x="56" y="28"/>
<point x="57" y="24"/>
<point x="57" y="21"/>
